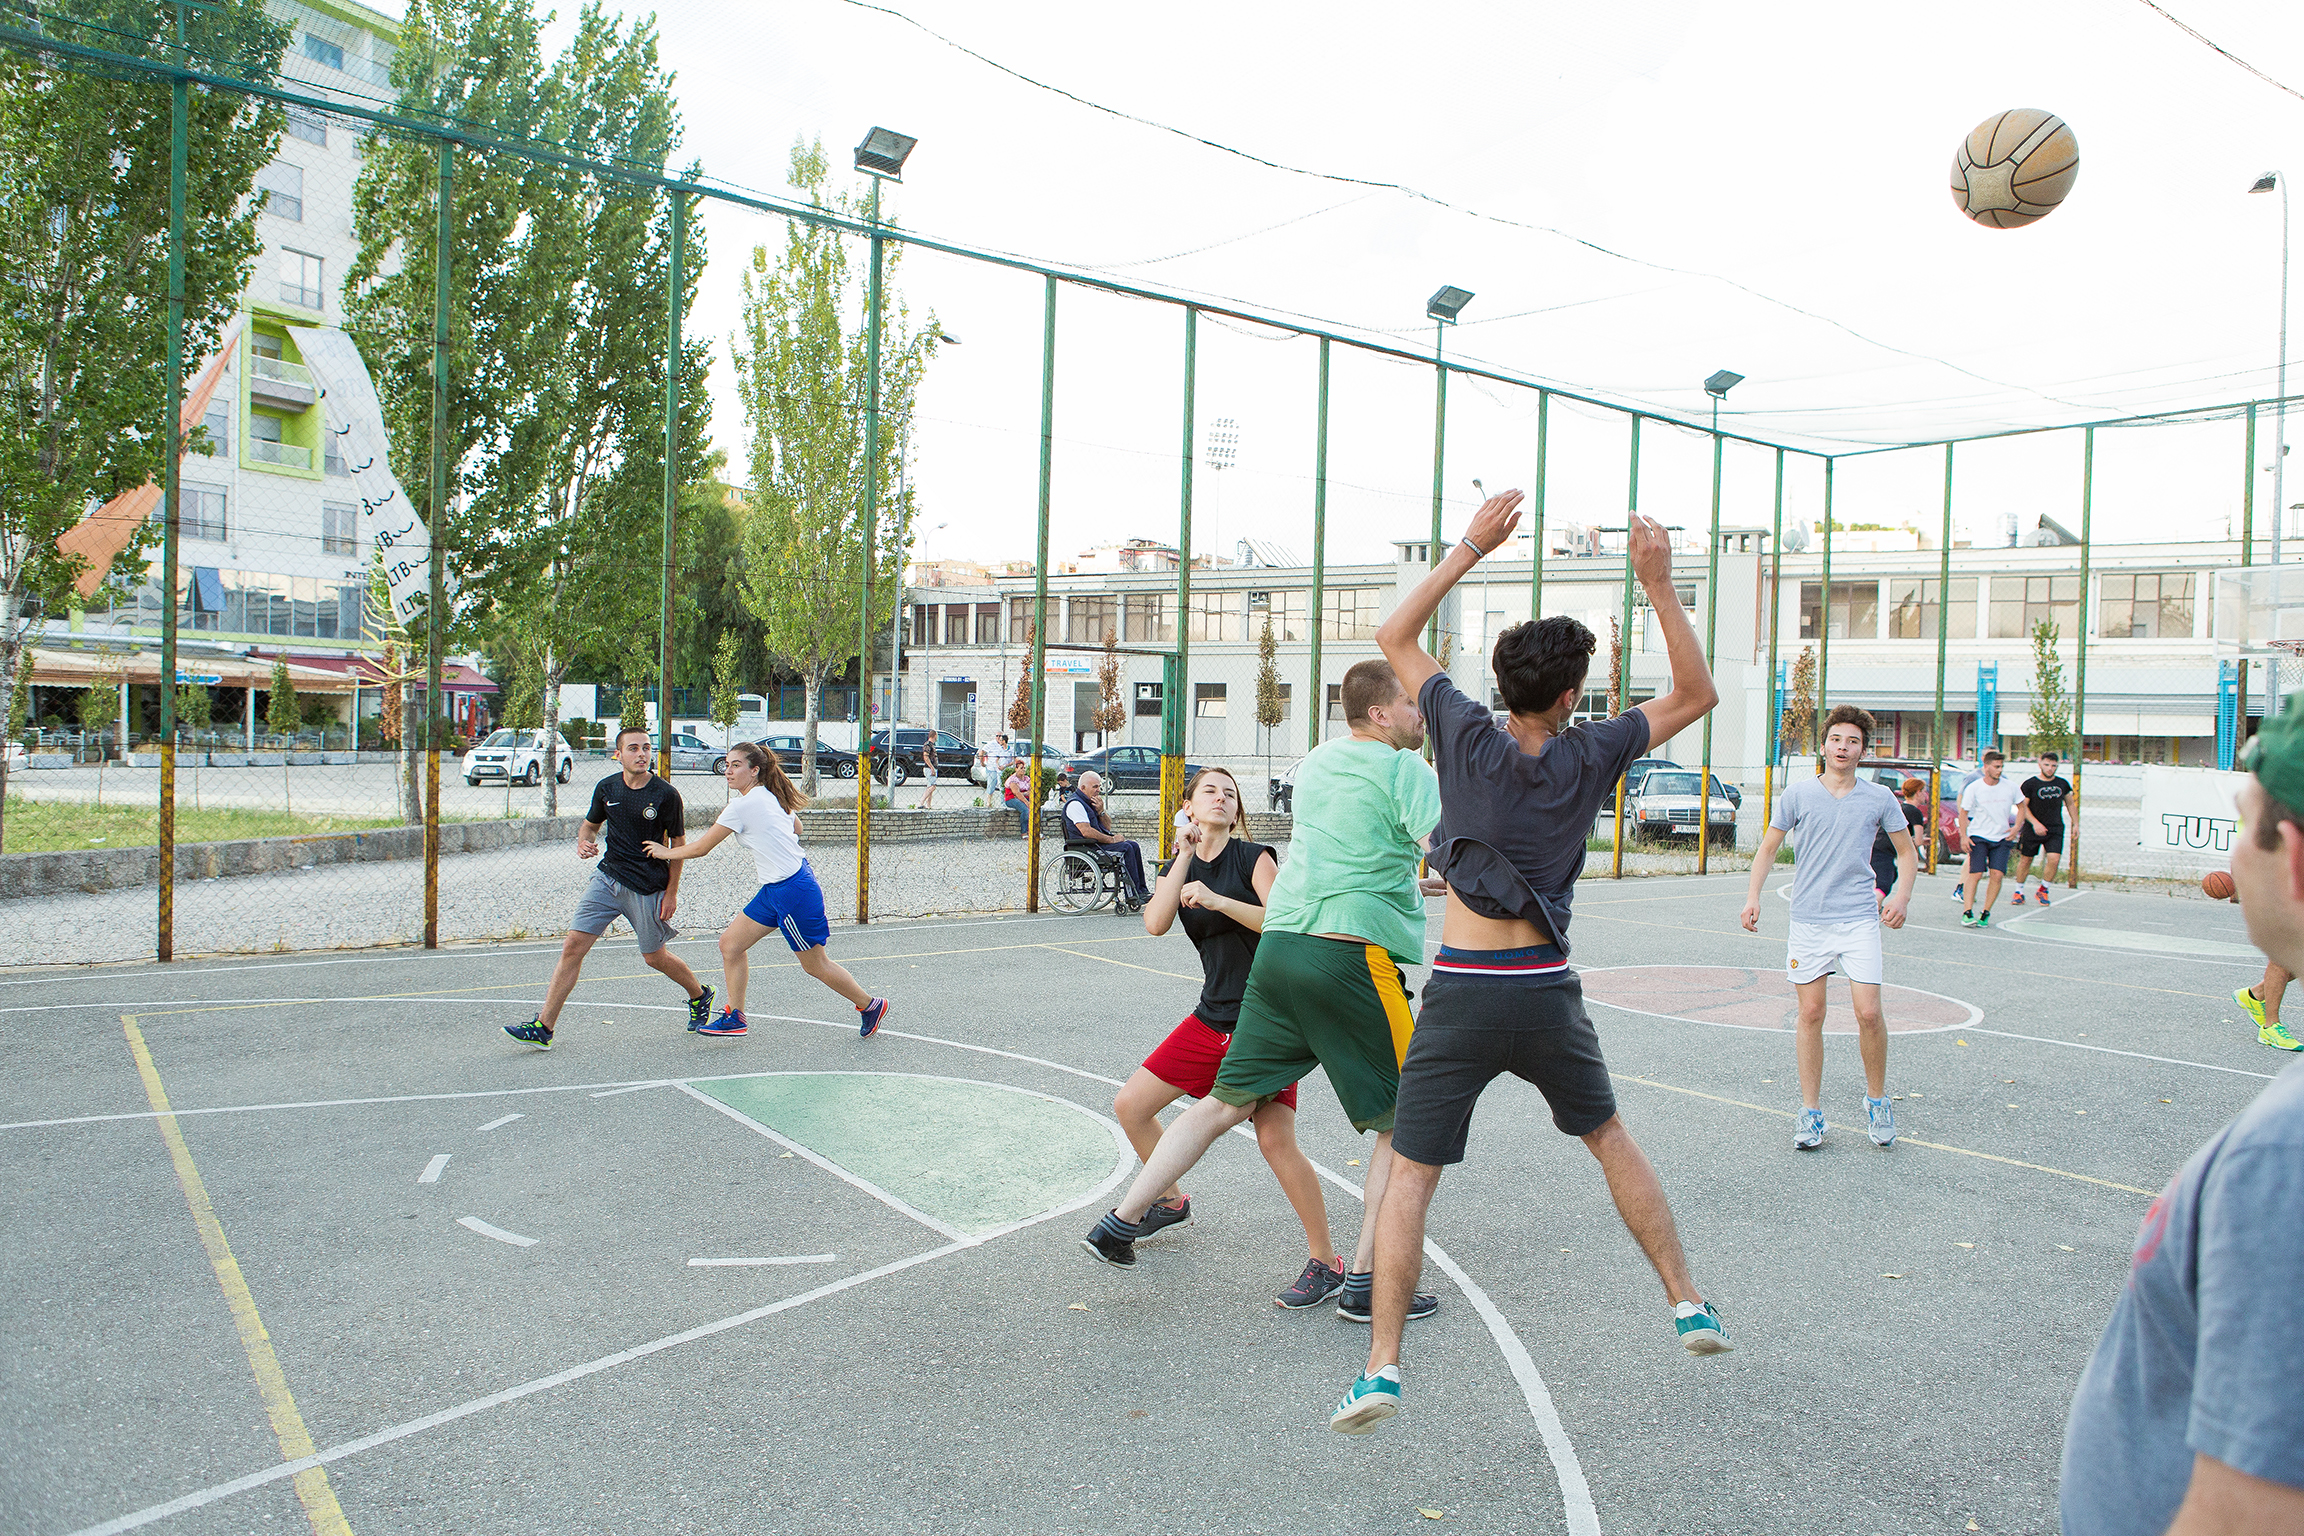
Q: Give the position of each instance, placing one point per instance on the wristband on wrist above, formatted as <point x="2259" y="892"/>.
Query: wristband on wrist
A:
<point x="1477" y="552"/>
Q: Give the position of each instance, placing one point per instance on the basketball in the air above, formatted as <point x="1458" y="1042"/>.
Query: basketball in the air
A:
<point x="2217" y="884"/>
<point x="2015" y="167"/>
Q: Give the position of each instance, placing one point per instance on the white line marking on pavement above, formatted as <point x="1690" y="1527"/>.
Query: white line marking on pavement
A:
<point x="498" y="1233"/>
<point x="349" y="1448"/>
<point x="1974" y="1013"/>
<point x="805" y="1258"/>
<point x="502" y="1120"/>
<point x="2173" y="1061"/>
<point x="609" y="1093"/>
<point x="830" y="1167"/>
<point x="431" y="1173"/>
<point x="397" y="1098"/>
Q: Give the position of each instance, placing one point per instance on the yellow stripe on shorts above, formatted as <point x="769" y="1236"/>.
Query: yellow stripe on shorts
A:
<point x="1385" y="976"/>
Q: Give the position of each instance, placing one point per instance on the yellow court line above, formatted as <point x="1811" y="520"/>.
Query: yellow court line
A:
<point x="1933" y="1146"/>
<point x="515" y="986"/>
<point x="1108" y="960"/>
<point x="311" y="1484"/>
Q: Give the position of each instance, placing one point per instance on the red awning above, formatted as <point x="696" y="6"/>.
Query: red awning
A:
<point x="455" y="678"/>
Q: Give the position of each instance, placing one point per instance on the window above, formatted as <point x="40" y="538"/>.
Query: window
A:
<point x="1148" y="699"/>
<point x="1020" y="620"/>
<point x="266" y="446"/>
<point x="264" y="428"/>
<point x="266" y="344"/>
<point x="2019" y="602"/>
<point x="1286" y="610"/>
<point x="1348" y="613"/>
<point x="339" y="528"/>
<point x="200" y="514"/>
<point x="332" y="449"/>
<point x="1150" y="616"/>
<point x="987" y="623"/>
<point x="1087" y="619"/>
<point x="216" y="421"/>
<point x="1335" y="704"/>
<point x="300" y="279"/>
<point x="1287" y="703"/>
<point x="1213" y="616"/>
<point x="1855" y="610"/>
<point x="1912" y="608"/>
<point x="324" y="51"/>
<point x="308" y="125"/>
<point x="2149" y="607"/>
<point x="1208" y="701"/>
<point x="283" y="187"/>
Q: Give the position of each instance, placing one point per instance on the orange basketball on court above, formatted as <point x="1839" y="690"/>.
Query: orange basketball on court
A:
<point x="2015" y="167"/>
<point x="2218" y="884"/>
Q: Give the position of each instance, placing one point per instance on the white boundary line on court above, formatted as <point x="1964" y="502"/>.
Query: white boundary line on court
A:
<point x="1975" y="1014"/>
<point x="2173" y="1061"/>
<point x="803" y="1258"/>
<point x="434" y="1168"/>
<point x="502" y="1120"/>
<point x="339" y="1452"/>
<point x="475" y="1224"/>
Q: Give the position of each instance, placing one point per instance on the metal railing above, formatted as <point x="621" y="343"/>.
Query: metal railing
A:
<point x="279" y="367"/>
<point x="264" y="451"/>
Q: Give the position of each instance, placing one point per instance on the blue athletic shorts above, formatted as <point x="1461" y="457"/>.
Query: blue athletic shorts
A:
<point x="795" y="908"/>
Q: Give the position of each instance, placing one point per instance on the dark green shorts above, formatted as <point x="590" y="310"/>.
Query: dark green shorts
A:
<point x="1328" y="1003"/>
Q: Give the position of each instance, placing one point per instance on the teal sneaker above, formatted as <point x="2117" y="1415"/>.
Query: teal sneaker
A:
<point x="1700" y="1329"/>
<point x="1984" y="918"/>
<point x="1372" y="1400"/>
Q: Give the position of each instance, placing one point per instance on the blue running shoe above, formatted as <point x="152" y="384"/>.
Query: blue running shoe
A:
<point x="730" y="1022"/>
<point x="1372" y="1400"/>
<point x="873" y="1012"/>
<point x="1880" y="1119"/>
<point x="1701" y="1331"/>
<point x="700" y="1013"/>
<point x="531" y="1033"/>
<point x="1809" y="1134"/>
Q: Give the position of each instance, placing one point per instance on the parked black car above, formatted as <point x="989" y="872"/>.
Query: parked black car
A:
<point x="1122" y="767"/>
<point x="954" y="757"/>
<point x="832" y="761"/>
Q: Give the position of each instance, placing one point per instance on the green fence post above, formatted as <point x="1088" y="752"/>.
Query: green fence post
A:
<point x="1039" y="659"/>
<point x="1439" y="460"/>
<point x="679" y="218"/>
<point x="1172" y="751"/>
<point x="1775" y="613"/>
<point x="1316" y="710"/>
<point x="1936" y="750"/>
<point x="864" y="611"/>
<point x="1824" y="614"/>
<point x="443" y="244"/>
<point x="2247" y="555"/>
<point x="1624" y="636"/>
<point x="1711" y="638"/>
<point x="1543" y="435"/>
<point x="2080" y="680"/>
<point x="172" y="452"/>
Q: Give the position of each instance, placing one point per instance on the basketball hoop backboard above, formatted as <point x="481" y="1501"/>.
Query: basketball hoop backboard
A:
<point x="2259" y="611"/>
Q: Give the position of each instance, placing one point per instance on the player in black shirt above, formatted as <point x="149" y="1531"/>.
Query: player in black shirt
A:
<point x="2046" y="794"/>
<point x="633" y="807"/>
<point x="1217" y="885"/>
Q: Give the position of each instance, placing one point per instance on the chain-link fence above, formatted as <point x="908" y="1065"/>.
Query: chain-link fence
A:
<point x="447" y="513"/>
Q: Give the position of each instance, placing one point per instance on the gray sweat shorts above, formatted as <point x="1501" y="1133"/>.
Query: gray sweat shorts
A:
<point x="605" y="901"/>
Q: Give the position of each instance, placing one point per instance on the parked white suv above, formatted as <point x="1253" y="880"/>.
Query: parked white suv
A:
<point x="518" y="756"/>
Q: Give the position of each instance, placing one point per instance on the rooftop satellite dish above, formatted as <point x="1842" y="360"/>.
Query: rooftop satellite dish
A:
<point x="1797" y="537"/>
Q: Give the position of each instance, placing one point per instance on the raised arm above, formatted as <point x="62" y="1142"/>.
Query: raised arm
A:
<point x="1693" y="692"/>
<point x="1400" y="636"/>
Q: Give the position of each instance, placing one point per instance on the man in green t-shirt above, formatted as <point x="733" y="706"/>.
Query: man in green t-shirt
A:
<point x="1326" y="989"/>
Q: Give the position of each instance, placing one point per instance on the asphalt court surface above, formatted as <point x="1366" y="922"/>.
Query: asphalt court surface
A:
<point x="800" y="1281"/>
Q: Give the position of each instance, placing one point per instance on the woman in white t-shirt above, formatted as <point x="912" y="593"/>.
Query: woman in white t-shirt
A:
<point x="789" y="902"/>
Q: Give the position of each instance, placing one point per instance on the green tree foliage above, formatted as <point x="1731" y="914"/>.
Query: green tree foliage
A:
<point x="99" y="708"/>
<point x="281" y="711"/>
<point x="2051" y="705"/>
<point x="1111" y="713"/>
<point x="727" y="689"/>
<point x="712" y="609"/>
<point x="635" y="713"/>
<point x="557" y="313"/>
<point x="84" y="158"/>
<point x="524" y="699"/>
<point x="194" y="707"/>
<point x="1271" y="705"/>
<point x="800" y="371"/>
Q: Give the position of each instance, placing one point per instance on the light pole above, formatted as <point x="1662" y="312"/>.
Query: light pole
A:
<point x="1717" y="387"/>
<point x="2265" y="183"/>
<point x="1442" y="309"/>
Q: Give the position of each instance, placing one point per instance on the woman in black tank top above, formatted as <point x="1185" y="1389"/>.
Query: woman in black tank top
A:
<point x="1217" y="885"/>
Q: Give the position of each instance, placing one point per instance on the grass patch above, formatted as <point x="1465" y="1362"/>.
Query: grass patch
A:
<point x="61" y="826"/>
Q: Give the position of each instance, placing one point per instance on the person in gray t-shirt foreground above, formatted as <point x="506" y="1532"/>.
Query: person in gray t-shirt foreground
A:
<point x="1837" y="912"/>
<point x="2189" y="1420"/>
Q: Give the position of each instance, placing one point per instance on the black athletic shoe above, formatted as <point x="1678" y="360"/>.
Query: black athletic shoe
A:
<point x="1163" y="1215"/>
<point x="1113" y="1240"/>
<point x="1318" y="1282"/>
<point x="1355" y="1302"/>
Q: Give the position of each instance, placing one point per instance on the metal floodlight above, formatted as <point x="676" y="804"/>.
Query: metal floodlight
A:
<point x="1446" y="304"/>
<point x="2268" y="182"/>
<point x="883" y="153"/>
<point x="1720" y="383"/>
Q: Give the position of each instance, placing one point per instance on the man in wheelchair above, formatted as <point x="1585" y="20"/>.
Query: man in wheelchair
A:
<point x="1089" y="828"/>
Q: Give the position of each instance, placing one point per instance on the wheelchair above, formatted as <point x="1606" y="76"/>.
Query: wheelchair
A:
<point x="1086" y="878"/>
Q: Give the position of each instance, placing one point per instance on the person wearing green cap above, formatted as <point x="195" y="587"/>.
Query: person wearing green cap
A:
<point x="2185" y="1419"/>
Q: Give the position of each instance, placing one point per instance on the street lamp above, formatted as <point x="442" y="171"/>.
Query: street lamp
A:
<point x="2266" y="183"/>
<point x="883" y="153"/>
<point x="1442" y="309"/>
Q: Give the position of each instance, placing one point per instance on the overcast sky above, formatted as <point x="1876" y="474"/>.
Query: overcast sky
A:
<point x="1790" y="160"/>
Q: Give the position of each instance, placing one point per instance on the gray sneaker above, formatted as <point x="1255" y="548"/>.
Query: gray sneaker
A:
<point x="1810" y="1133"/>
<point x="1881" y="1121"/>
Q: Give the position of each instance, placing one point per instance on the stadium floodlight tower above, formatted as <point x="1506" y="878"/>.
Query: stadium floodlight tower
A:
<point x="1442" y="308"/>
<point x="881" y="156"/>
<point x="2266" y="183"/>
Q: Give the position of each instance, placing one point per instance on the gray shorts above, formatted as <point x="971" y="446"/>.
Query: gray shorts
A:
<point x="605" y="901"/>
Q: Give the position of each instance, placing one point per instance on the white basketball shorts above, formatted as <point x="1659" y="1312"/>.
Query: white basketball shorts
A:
<point x="1817" y="950"/>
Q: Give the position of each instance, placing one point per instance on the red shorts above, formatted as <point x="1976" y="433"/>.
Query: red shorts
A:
<point x="1189" y="1057"/>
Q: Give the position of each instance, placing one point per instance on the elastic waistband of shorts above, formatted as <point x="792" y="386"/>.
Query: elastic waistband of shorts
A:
<point x="1535" y="961"/>
<point x="805" y="869"/>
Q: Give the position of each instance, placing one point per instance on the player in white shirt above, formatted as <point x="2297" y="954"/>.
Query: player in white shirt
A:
<point x="789" y="901"/>
<point x="1989" y="812"/>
